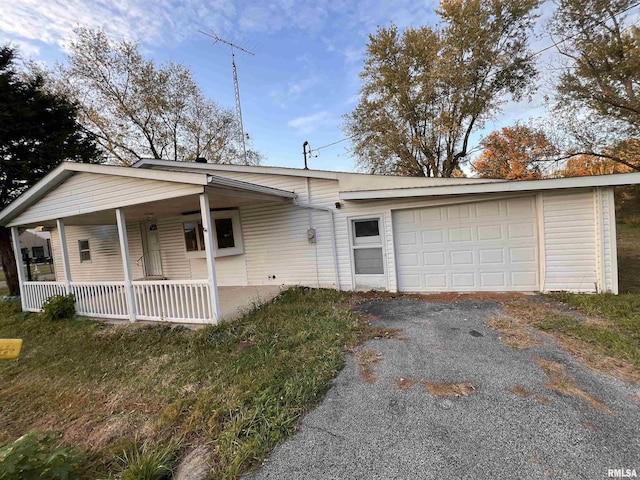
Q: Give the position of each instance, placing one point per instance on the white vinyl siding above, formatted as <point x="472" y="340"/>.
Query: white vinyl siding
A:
<point x="570" y="241"/>
<point x="92" y="192"/>
<point x="106" y="261"/>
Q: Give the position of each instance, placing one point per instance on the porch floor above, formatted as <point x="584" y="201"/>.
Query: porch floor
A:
<point x="236" y="300"/>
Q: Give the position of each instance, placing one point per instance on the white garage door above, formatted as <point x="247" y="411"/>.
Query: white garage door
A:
<point x="480" y="246"/>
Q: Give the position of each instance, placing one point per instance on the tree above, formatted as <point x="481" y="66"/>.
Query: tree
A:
<point x="38" y="130"/>
<point x="427" y="90"/>
<point x="601" y="84"/>
<point x="586" y="165"/>
<point x="137" y="109"/>
<point x="519" y="152"/>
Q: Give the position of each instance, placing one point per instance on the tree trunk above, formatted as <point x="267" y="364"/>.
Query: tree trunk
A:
<point x="8" y="261"/>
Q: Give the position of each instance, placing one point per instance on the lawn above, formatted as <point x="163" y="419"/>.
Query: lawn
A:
<point x="236" y="389"/>
<point x="604" y="331"/>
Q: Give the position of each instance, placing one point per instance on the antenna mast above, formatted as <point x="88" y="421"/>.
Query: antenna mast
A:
<point x="235" y="83"/>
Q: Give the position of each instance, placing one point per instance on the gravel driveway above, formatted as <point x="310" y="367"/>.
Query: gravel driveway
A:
<point x="509" y="426"/>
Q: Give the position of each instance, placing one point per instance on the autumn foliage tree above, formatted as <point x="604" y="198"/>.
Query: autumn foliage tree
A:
<point x="601" y="87"/>
<point x="519" y="152"/>
<point x="426" y="90"/>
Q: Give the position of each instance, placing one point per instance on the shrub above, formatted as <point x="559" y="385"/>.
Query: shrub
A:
<point x="59" y="307"/>
<point x="34" y="456"/>
<point x="144" y="462"/>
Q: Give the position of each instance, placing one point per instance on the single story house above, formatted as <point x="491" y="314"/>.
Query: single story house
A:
<point x="172" y="241"/>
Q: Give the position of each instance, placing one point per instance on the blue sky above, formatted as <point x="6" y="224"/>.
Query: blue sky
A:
<point x="301" y="81"/>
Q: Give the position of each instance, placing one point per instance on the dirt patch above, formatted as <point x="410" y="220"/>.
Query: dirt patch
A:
<point x="520" y="391"/>
<point x="589" y="425"/>
<point x="543" y="400"/>
<point x="441" y="389"/>
<point x="499" y="297"/>
<point x="513" y="333"/>
<point x="404" y="383"/>
<point x="560" y="381"/>
<point x="366" y="359"/>
<point x="377" y="333"/>
<point x="243" y="345"/>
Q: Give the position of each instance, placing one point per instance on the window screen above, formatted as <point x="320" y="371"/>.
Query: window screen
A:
<point x="368" y="261"/>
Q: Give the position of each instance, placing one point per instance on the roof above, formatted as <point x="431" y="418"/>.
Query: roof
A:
<point x="501" y="187"/>
<point x="66" y="169"/>
<point x="347" y="180"/>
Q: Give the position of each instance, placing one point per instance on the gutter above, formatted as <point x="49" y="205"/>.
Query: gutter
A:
<point x="333" y="236"/>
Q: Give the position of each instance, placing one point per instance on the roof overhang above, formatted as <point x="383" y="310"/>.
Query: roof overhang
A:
<point x="499" y="187"/>
<point x="67" y="169"/>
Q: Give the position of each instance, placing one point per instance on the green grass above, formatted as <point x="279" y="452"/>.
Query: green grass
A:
<point x="629" y="257"/>
<point x="617" y="334"/>
<point x="42" y="270"/>
<point x="240" y="387"/>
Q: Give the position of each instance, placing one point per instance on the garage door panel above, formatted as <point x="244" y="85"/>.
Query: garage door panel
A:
<point x="523" y="255"/>
<point x="491" y="256"/>
<point x="483" y="246"/>
<point x="460" y="234"/>
<point x="489" y="232"/>
<point x="521" y="230"/>
<point x="461" y="257"/>
<point x="435" y="259"/>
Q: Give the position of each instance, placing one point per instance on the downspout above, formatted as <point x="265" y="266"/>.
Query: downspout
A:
<point x="333" y="237"/>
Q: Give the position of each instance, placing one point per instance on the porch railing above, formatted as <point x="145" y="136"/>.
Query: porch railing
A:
<point x="173" y="300"/>
<point x="100" y="299"/>
<point x="36" y="293"/>
<point x="166" y="300"/>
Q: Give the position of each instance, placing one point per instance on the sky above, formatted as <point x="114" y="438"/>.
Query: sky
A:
<point x="301" y="81"/>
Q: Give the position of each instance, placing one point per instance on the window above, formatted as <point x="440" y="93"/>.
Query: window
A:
<point x="85" y="251"/>
<point x="368" y="258"/>
<point x="38" y="252"/>
<point x="227" y="236"/>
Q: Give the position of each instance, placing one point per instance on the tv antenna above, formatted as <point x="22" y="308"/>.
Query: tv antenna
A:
<point x="235" y="82"/>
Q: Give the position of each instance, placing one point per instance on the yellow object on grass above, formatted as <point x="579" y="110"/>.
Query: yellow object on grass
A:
<point x="10" y="348"/>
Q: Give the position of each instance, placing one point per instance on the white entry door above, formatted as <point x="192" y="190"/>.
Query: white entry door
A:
<point x="480" y="246"/>
<point x="152" y="256"/>
<point x="368" y="254"/>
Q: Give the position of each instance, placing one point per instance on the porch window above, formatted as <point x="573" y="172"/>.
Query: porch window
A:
<point x="85" y="250"/>
<point x="227" y="236"/>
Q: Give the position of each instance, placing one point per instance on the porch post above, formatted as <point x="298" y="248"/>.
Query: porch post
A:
<point x="126" y="264"/>
<point x="66" y="269"/>
<point x="15" y="236"/>
<point x="207" y="230"/>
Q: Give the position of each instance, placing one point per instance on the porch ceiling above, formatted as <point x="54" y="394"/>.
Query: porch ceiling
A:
<point x="173" y="207"/>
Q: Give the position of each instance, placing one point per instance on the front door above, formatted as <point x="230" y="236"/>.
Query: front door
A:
<point x="368" y="253"/>
<point x="152" y="257"/>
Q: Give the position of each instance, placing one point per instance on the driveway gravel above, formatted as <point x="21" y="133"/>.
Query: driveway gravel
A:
<point x="377" y="430"/>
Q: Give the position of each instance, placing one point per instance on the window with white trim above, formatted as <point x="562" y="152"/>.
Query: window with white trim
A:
<point x="227" y="234"/>
<point x="85" y="250"/>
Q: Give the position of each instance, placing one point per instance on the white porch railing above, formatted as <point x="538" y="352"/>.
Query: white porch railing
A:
<point x="173" y="300"/>
<point x="36" y="293"/>
<point x="100" y="299"/>
<point x="185" y="301"/>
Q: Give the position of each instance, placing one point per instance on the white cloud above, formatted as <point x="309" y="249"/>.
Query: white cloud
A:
<point x="296" y="87"/>
<point x="157" y="22"/>
<point x="307" y="124"/>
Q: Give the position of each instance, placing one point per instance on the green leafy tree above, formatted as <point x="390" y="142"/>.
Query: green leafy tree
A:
<point x="426" y="90"/>
<point x="38" y="130"/>
<point x="601" y="86"/>
<point x="137" y="109"/>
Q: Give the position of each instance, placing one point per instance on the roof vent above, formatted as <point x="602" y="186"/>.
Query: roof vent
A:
<point x="201" y="160"/>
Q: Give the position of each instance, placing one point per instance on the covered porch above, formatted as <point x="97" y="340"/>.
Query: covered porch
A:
<point x="128" y="204"/>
